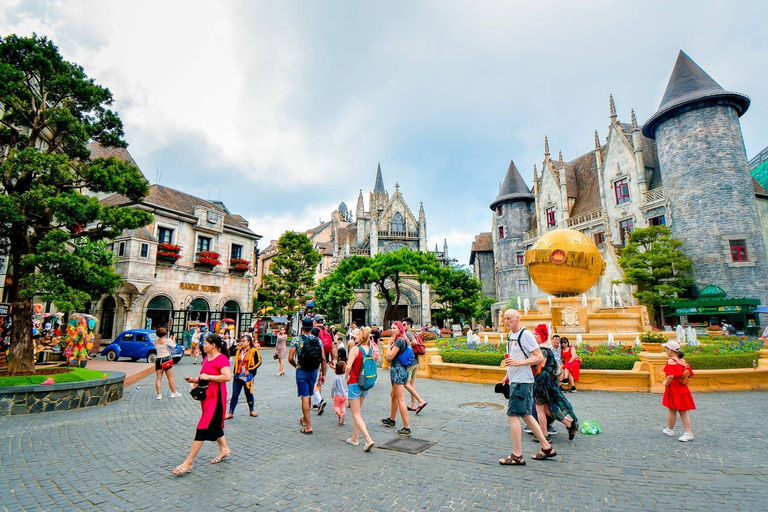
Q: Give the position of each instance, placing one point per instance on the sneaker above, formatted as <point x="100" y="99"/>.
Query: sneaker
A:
<point x="388" y="422"/>
<point x="669" y="432"/>
<point x="320" y="408"/>
<point x="551" y="431"/>
<point x="407" y="432"/>
<point x="175" y="395"/>
<point x="528" y="431"/>
<point x="683" y="438"/>
<point x="573" y="389"/>
<point x="548" y="438"/>
<point x="159" y="397"/>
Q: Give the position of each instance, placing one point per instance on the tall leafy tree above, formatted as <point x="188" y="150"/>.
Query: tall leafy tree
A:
<point x="334" y="292"/>
<point x="52" y="230"/>
<point x="291" y="275"/>
<point x="652" y="261"/>
<point x="459" y="293"/>
<point x="386" y="272"/>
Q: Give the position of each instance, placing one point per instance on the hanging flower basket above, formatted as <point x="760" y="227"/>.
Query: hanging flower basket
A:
<point x="208" y="259"/>
<point x="168" y="252"/>
<point x="239" y="265"/>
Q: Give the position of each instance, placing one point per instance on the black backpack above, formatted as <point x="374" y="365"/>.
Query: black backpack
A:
<point x="310" y="353"/>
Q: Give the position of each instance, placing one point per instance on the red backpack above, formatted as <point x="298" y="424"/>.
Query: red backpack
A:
<point x="327" y="340"/>
<point x="418" y="346"/>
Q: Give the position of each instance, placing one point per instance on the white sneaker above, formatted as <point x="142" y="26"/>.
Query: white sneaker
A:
<point x="175" y="395"/>
<point x="685" y="437"/>
<point x="669" y="432"/>
<point x="159" y="397"/>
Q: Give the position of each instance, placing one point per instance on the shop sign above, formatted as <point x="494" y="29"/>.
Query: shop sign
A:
<point x="685" y="310"/>
<point x="195" y="287"/>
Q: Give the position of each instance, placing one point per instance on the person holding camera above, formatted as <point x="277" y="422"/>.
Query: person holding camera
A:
<point x="214" y="375"/>
<point x="164" y="363"/>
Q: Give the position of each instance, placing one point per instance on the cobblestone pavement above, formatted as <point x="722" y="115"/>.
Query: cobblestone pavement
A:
<point x="119" y="456"/>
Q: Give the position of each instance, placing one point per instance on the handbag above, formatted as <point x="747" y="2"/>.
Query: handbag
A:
<point x="167" y="365"/>
<point x="199" y="392"/>
<point x="274" y="356"/>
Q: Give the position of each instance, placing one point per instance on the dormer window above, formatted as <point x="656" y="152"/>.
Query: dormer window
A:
<point x="551" y="221"/>
<point x="621" y="188"/>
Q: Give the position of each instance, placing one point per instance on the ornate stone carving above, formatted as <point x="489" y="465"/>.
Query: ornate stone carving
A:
<point x="570" y="316"/>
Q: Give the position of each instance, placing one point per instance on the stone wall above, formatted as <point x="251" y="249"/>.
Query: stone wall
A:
<point x="15" y="400"/>
<point x="707" y="183"/>
<point x="516" y="220"/>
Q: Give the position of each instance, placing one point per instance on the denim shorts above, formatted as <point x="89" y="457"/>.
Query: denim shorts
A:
<point x="520" y="399"/>
<point x="355" y="392"/>
<point x="305" y="382"/>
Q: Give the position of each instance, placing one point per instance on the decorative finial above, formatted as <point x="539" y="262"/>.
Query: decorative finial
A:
<point x="546" y="147"/>
<point x="560" y="157"/>
<point x="613" y="108"/>
<point x="597" y="140"/>
<point x="535" y="173"/>
<point x="634" y="119"/>
<point x="397" y="186"/>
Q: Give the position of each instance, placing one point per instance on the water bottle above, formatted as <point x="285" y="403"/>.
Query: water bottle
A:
<point x="754" y="364"/>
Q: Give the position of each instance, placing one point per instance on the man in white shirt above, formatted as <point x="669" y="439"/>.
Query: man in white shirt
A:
<point x="522" y="352"/>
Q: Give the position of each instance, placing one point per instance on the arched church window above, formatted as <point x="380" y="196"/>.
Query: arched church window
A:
<point x="398" y="223"/>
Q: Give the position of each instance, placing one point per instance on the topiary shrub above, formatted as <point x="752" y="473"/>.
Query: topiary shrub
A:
<point x="428" y="336"/>
<point x="472" y="357"/>
<point x="608" y="362"/>
<point x="721" y="361"/>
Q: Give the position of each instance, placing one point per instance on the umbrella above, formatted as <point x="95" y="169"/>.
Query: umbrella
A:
<point x="761" y="309"/>
<point x="228" y="321"/>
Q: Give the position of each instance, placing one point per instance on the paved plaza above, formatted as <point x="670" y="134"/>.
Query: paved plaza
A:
<point x="119" y="456"/>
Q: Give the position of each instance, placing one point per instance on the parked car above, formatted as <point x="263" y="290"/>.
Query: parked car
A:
<point x="138" y="344"/>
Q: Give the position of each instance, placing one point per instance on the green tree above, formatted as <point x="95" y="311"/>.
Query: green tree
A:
<point x="52" y="232"/>
<point x="334" y="292"/>
<point x="291" y="274"/>
<point x="459" y="293"/>
<point x="653" y="262"/>
<point x="387" y="270"/>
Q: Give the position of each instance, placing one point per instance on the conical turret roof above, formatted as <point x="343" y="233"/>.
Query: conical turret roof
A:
<point x="378" y="187"/>
<point x="513" y="188"/>
<point x="691" y="87"/>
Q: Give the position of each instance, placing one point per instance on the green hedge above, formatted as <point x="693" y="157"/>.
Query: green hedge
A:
<point x="472" y="357"/>
<point x="721" y="361"/>
<point x="698" y="362"/>
<point x="608" y="362"/>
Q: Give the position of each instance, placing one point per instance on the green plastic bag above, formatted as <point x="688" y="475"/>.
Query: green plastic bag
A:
<point x="590" y="427"/>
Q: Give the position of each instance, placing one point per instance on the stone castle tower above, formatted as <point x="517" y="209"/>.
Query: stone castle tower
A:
<point x="706" y="180"/>
<point x="514" y="210"/>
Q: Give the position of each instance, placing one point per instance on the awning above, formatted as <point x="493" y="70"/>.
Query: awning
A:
<point x="276" y="319"/>
<point x="713" y="306"/>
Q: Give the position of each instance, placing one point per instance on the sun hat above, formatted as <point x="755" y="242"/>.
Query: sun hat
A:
<point x="672" y="345"/>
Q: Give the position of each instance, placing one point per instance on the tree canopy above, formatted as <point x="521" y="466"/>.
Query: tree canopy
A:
<point x="291" y="275"/>
<point x="459" y="293"/>
<point x="53" y="230"/>
<point x="653" y="262"/>
<point x="334" y="292"/>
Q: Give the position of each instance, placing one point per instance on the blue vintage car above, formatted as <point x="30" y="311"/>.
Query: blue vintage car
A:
<point x="138" y="344"/>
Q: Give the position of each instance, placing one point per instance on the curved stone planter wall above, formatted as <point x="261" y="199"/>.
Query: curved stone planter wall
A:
<point x="60" y="397"/>
<point x="647" y="375"/>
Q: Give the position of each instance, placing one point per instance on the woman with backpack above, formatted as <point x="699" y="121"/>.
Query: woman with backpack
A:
<point x="400" y="357"/>
<point x="247" y="361"/>
<point x="356" y="394"/>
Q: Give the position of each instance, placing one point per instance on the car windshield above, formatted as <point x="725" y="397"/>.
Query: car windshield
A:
<point x="153" y="337"/>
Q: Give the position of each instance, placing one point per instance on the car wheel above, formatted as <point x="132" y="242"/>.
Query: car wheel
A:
<point x="151" y="357"/>
<point x="111" y="355"/>
<point x="176" y="360"/>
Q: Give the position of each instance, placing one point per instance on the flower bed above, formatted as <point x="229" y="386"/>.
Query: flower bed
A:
<point x="428" y="336"/>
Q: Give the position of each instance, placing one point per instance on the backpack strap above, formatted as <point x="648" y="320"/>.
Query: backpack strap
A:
<point x="520" y="344"/>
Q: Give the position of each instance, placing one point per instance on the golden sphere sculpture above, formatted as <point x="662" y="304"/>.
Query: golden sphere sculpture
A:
<point x="564" y="262"/>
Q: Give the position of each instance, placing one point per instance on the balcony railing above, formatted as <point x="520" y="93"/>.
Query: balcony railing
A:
<point x="584" y="218"/>
<point x="530" y="235"/>
<point x="654" y="195"/>
<point x="398" y="234"/>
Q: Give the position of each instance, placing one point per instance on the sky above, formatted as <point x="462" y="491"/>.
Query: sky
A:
<point x="283" y="109"/>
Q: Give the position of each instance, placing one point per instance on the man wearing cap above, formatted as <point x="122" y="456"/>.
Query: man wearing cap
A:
<point x="322" y="333"/>
<point x="305" y="379"/>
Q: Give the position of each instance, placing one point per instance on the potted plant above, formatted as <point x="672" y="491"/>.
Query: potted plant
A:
<point x="239" y="265"/>
<point x="652" y="340"/>
<point x="714" y="330"/>
<point x="168" y="252"/>
<point x="208" y="259"/>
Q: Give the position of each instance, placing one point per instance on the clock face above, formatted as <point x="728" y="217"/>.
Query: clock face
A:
<point x="394" y="246"/>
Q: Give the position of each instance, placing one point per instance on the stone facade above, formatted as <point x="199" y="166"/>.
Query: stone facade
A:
<point x="16" y="400"/>
<point x="685" y="168"/>
<point x="482" y="264"/>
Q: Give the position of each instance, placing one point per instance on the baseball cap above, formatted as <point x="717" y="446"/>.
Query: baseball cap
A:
<point x="672" y="345"/>
<point x="307" y="323"/>
<point x="319" y="319"/>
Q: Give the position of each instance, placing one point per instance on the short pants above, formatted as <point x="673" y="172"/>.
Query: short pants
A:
<point x="520" y="399"/>
<point x="305" y="382"/>
<point x="355" y="392"/>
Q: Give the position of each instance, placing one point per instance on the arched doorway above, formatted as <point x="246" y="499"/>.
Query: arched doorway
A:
<point x="231" y="309"/>
<point x="199" y="310"/>
<point x="158" y="312"/>
<point x="107" y="318"/>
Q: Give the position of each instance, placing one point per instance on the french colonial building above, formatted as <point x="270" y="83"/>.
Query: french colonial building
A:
<point x="169" y="267"/>
<point x="387" y="225"/>
<point x="685" y="168"/>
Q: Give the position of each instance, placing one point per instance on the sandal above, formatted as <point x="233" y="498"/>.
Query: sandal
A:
<point x="254" y="414"/>
<point x="229" y="416"/>
<point x="179" y="471"/>
<point x="220" y="458"/>
<point x="412" y="409"/>
<point x="572" y="430"/>
<point x="419" y="408"/>
<point x="545" y="454"/>
<point x="305" y="431"/>
<point x="368" y="446"/>
<point x="512" y="460"/>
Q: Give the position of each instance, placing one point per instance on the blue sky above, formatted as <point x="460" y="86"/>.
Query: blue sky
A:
<point x="283" y="109"/>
